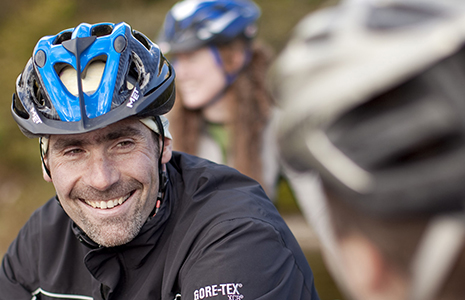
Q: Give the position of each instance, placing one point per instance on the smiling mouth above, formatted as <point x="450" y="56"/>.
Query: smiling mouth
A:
<point x="107" y="204"/>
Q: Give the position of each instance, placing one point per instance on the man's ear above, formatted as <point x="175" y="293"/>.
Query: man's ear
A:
<point x="167" y="150"/>
<point x="364" y="265"/>
<point x="368" y="270"/>
<point x="237" y="60"/>
<point x="44" y="172"/>
<point x="233" y="56"/>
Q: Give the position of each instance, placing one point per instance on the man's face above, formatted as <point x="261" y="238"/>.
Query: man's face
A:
<point x="199" y="78"/>
<point x="107" y="179"/>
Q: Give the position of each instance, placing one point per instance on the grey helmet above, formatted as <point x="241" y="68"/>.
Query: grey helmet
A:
<point x="373" y="99"/>
<point x="346" y="64"/>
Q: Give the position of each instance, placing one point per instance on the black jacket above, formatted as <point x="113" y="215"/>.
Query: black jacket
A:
<point x="216" y="236"/>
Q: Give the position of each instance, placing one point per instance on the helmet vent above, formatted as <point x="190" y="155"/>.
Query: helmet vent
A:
<point x="428" y="150"/>
<point x="318" y="38"/>
<point x="18" y="107"/>
<point x="162" y="66"/>
<point x="102" y="30"/>
<point x="141" y="38"/>
<point x="91" y="76"/>
<point x="38" y="96"/>
<point x="134" y="72"/>
<point x="397" y="16"/>
<point x="64" y="36"/>
<point x="133" y="76"/>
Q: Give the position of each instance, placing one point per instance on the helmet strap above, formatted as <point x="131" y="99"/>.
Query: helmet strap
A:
<point x="437" y="253"/>
<point x="230" y="77"/>
<point x="42" y="155"/>
<point x="162" y="174"/>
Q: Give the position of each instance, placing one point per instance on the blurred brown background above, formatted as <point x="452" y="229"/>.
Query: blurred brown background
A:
<point x="23" y="22"/>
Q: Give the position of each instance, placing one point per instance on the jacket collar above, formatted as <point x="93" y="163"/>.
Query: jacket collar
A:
<point x="108" y="265"/>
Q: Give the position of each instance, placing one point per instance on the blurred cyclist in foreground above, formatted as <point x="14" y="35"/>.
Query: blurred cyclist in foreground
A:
<point x="374" y="99"/>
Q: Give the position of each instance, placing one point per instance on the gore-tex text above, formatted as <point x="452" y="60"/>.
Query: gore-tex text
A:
<point x="225" y="289"/>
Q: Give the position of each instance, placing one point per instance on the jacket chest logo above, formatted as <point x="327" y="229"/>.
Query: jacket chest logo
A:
<point x="230" y="290"/>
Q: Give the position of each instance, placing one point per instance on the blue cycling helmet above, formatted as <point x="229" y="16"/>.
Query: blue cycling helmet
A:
<point x="191" y="24"/>
<point x="131" y="77"/>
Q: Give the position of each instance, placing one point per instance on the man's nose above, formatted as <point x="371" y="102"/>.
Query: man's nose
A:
<point x="102" y="172"/>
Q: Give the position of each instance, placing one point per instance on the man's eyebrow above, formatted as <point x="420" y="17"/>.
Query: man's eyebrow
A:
<point x="124" y="132"/>
<point x="64" y="142"/>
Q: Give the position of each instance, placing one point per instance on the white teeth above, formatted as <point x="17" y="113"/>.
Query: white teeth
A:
<point x="91" y="204"/>
<point x="108" y="203"/>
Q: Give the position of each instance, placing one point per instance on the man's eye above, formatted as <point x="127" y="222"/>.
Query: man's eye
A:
<point x="125" y="143"/>
<point x="73" y="151"/>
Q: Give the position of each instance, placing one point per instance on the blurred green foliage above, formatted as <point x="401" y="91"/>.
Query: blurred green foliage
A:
<point x="23" y="22"/>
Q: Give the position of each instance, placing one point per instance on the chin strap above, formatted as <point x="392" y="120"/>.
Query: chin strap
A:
<point x="162" y="174"/>
<point x="161" y="192"/>
<point x="42" y="154"/>
<point x="230" y="77"/>
<point x="436" y="256"/>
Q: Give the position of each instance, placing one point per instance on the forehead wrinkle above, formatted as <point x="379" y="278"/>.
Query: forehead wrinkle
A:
<point x="116" y="134"/>
<point x="63" y="142"/>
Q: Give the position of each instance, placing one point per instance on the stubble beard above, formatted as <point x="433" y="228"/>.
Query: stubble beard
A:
<point x="112" y="231"/>
<point x="115" y="231"/>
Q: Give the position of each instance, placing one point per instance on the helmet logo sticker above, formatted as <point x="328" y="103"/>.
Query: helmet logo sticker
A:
<point x="134" y="98"/>
<point x="35" y="116"/>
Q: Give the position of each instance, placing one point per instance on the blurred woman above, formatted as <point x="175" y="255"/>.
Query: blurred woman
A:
<point x="223" y="111"/>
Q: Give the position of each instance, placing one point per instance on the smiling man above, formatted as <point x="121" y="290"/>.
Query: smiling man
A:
<point x="131" y="218"/>
<point x="106" y="179"/>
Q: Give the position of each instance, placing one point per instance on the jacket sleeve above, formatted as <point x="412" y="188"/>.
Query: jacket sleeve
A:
<point x="244" y="259"/>
<point x="18" y="267"/>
